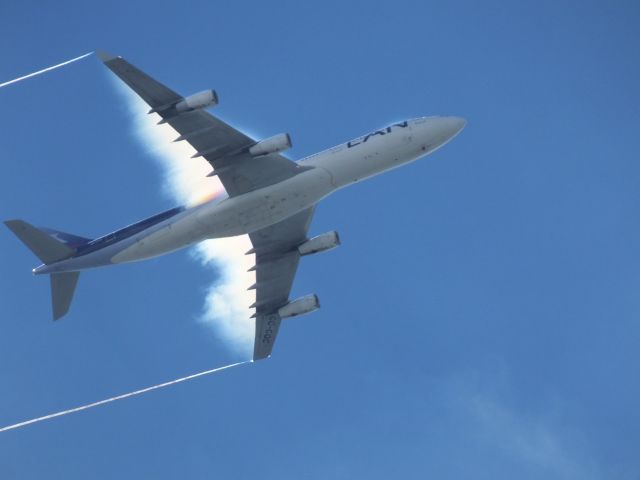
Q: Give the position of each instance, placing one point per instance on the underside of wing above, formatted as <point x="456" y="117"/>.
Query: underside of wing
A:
<point x="277" y="257"/>
<point x="227" y="149"/>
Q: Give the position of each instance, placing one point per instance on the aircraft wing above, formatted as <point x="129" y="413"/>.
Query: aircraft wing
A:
<point x="224" y="147"/>
<point x="277" y="257"/>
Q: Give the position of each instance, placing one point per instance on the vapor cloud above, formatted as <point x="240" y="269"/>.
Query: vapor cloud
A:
<point x="538" y="440"/>
<point x="226" y="304"/>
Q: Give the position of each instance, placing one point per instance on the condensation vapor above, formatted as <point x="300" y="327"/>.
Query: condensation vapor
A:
<point x="226" y="304"/>
<point x="44" y="70"/>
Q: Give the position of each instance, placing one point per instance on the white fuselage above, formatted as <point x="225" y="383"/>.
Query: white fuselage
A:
<point x="331" y="170"/>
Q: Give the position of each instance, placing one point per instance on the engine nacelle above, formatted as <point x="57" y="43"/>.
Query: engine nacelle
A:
<point x="197" y="101"/>
<point x="302" y="305"/>
<point x="278" y="143"/>
<point x="321" y="243"/>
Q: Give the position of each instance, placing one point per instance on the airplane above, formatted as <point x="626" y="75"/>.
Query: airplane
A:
<point x="270" y="197"/>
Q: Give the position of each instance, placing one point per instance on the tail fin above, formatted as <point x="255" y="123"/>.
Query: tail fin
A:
<point x="46" y="248"/>
<point x="63" y="286"/>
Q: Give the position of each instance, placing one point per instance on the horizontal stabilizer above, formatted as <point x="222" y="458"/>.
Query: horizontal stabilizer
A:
<point x="45" y="247"/>
<point x="63" y="286"/>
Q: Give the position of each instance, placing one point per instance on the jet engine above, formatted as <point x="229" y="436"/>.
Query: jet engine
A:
<point x="321" y="243"/>
<point x="278" y="143"/>
<point x="197" y="101"/>
<point x="300" y="306"/>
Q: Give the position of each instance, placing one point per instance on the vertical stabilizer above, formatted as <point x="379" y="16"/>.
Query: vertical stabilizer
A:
<point x="63" y="286"/>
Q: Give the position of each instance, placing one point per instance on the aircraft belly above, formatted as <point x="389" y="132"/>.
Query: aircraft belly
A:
<point x="168" y="238"/>
<point x="233" y="216"/>
<point x="261" y="208"/>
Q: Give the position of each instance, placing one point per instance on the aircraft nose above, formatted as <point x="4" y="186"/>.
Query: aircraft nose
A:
<point x="439" y="130"/>
<point x="451" y="126"/>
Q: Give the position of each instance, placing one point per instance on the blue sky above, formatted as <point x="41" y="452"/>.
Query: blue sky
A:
<point x="481" y="318"/>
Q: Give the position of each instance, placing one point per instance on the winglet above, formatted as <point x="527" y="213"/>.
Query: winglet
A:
<point x="105" y="56"/>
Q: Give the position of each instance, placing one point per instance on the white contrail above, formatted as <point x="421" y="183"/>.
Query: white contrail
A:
<point x="227" y="301"/>
<point x="44" y="70"/>
<point x="119" y="397"/>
